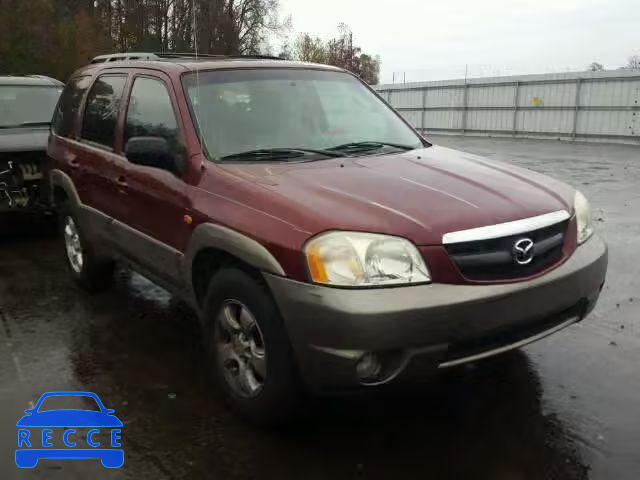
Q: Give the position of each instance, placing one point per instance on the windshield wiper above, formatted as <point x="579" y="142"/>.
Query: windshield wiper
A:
<point x="280" y="154"/>
<point x="370" y="145"/>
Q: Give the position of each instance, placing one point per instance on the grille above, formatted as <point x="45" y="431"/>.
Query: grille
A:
<point x="493" y="259"/>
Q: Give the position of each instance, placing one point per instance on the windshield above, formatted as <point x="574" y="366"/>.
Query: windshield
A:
<point x="65" y="402"/>
<point x="245" y="110"/>
<point x="20" y="105"/>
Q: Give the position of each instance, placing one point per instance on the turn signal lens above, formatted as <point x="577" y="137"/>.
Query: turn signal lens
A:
<point x="584" y="219"/>
<point x="316" y="266"/>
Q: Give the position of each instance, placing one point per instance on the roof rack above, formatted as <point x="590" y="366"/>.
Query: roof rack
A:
<point x="193" y="55"/>
<point x="116" y="57"/>
<point x="159" y="56"/>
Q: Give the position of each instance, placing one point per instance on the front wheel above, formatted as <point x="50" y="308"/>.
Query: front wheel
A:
<point x="89" y="270"/>
<point x="248" y="349"/>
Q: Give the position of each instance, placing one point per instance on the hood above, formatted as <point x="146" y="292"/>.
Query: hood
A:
<point x="27" y="139"/>
<point x="69" y="418"/>
<point x="420" y="195"/>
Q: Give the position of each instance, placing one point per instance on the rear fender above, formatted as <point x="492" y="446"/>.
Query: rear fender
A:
<point x="62" y="180"/>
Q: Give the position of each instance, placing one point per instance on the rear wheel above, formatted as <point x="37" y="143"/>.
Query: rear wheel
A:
<point x="88" y="270"/>
<point x="248" y="349"/>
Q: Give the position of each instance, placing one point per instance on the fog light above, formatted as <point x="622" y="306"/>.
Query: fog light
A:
<point x="368" y="367"/>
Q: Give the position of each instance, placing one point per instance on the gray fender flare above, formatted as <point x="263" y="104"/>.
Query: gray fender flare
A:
<point x="209" y="235"/>
<point x="62" y="180"/>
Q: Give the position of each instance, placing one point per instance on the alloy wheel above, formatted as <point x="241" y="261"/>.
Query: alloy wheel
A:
<point x="240" y="349"/>
<point x="73" y="245"/>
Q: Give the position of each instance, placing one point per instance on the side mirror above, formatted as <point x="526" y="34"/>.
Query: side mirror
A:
<point x="152" y="152"/>
<point x="29" y="411"/>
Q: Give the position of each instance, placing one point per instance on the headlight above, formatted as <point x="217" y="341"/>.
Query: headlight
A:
<point x="353" y="259"/>
<point x="583" y="217"/>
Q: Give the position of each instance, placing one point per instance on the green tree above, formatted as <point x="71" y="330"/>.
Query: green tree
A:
<point x="55" y="37"/>
<point x="26" y="38"/>
<point x="369" y="69"/>
<point x="309" y="49"/>
<point x="595" y="67"/>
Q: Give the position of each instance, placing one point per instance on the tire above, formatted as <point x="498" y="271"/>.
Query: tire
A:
<point x="89" y="271"/>
<point x="234" y="293"/>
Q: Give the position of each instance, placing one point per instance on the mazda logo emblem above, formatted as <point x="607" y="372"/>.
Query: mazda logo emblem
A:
<point x="523" y="251"/>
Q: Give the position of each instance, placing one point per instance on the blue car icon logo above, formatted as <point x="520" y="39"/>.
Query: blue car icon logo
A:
<point x="35" y="433"/>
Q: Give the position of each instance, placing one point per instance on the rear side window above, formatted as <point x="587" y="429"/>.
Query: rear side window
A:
<point x="101" y="112"/>
<point x="69" y="104"/>
<point x="150" y="112"/>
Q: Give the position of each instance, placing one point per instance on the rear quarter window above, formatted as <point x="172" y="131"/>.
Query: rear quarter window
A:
<point x="69" y="104"/>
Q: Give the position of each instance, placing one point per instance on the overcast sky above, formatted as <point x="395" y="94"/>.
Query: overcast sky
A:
<point x="429" y="40"/>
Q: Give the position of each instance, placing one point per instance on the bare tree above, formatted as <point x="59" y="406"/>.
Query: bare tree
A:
<point x="340" y="52"/>
<point x="633" y="63"/>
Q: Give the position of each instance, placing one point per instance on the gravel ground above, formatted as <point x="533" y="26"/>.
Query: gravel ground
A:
<point x="567" y="407"/>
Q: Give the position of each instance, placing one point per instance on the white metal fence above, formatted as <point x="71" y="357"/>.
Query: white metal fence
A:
<point x="595" y="106"/>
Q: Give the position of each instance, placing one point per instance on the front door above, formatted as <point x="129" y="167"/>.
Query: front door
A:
<point x="150" y="227"/>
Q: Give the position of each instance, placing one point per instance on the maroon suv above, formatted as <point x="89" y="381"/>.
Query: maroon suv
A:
<point x="321" y="240"/>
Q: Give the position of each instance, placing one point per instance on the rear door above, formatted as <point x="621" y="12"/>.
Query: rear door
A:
<point x="93" y="155"/>
<point x="82" y="143"/>
<point x="150" y="220"/>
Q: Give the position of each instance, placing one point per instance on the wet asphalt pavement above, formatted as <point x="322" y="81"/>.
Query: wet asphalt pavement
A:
<point x="567" y="407"/>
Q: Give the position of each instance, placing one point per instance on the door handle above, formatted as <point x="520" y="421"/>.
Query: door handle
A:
<point x="122" y="183"/>
<point x="72" y="160"/>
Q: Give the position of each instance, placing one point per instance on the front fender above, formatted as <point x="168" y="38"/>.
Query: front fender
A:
<point x="209" y="235"/>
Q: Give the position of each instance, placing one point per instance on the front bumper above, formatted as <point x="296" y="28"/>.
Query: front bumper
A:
<point x="418" y="329"/>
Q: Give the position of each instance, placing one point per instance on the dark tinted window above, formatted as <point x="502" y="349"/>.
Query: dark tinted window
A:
<point x="101" y="112"/>
<point x="150" y="112"/>
<point x="69" y="105"/>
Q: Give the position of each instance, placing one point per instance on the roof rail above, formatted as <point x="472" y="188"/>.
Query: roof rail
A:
<point x="115" y="57"/>
<point x="257" y="57"/>
<point x="214" y="56"/>
<point x="187" y="55"/>
<point x="129" y="56"/>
